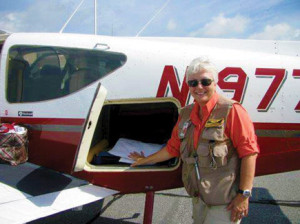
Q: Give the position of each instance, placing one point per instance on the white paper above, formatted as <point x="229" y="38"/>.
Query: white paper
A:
<point x="125" y="146"/>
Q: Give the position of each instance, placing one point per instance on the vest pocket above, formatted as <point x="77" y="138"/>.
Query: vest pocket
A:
<point x="218" y="189"/>
<point x="189" y="180"/>
<point x="220" y="153"/>
<point x="212" y="155"/>
<point x="216" y="133"/>
<point x="204" y="157"/>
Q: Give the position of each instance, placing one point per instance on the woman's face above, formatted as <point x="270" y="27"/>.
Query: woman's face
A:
<point x="202" y="94"/>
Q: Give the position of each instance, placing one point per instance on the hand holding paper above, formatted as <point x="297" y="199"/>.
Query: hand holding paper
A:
<point x="125" y="148"/>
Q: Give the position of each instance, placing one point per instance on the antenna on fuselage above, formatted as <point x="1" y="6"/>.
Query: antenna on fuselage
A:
<point x="95" y="16"/>
<point x="64" y="26"/>
<point x="153" y="17"/>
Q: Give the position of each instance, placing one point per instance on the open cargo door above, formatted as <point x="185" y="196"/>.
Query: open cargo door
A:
<point x="89" y="128"/>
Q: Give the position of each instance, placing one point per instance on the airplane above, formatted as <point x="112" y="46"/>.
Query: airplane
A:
<point x="78" y="94"/>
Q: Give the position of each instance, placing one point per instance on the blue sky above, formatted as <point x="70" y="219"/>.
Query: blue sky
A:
<point x="254" y="19"/>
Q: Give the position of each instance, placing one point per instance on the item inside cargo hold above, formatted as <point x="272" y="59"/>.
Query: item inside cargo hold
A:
<point x="121" y="150"/>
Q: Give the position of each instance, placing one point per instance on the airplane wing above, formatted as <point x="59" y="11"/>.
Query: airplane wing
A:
<point x="29" y="192"/>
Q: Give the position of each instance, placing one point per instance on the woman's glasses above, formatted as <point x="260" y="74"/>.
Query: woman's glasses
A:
<point x="204" y="82"/>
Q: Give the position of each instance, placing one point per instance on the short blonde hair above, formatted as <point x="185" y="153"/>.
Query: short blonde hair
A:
<point x="202" y="64"/>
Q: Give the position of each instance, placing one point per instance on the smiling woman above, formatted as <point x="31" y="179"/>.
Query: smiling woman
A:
<point x="44" y="73"/>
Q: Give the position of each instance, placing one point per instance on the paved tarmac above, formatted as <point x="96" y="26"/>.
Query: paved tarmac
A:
<point x="276" y="199"/>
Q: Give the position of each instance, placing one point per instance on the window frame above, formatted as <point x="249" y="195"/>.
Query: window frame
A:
<point x="97" y="59"/>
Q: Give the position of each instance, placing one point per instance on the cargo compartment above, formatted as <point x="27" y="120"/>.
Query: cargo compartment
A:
<point x="148" y="121"/>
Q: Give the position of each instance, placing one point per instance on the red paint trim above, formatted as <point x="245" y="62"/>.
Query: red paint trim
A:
<point x="123" y="181"/>
<point x="54" y="150"/>
<point x="296" y="73"/>
<point x="57" y="150"/>
<point x="77" y="121"/>
<point x="277" y="126"/>
<point x="270" y="146"/>
<point x="62" y="121"/>
<point x="277" y="163"/>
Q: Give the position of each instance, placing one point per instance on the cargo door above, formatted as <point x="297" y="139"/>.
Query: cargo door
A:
<point x="89" y="128"/>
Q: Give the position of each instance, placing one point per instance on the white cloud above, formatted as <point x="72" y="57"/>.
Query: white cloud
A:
<point x="281" y="31"/>
<point x="171" y="25"/>
<point x="10" y="22"/>
<point x="222" y="26"/>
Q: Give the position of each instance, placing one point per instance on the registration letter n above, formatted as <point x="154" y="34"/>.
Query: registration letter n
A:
<point x="170" y="80"/>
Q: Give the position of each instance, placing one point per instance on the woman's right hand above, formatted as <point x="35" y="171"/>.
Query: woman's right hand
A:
<point x="137" y="157"/>
<point x="159" y="156"/>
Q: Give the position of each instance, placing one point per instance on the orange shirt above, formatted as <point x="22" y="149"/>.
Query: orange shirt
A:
<point x="239" y="128"/>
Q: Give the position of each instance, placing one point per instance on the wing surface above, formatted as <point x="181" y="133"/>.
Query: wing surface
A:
<point x="29" y="192"/>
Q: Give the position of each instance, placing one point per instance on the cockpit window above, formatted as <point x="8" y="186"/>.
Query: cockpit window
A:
<point x="37" y="73"/>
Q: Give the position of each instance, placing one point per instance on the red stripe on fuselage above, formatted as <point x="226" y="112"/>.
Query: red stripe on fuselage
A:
<point x="277" y="126"/>
<point x="79" y="121"/>
<point x="62" y="121"/>
<point x="57" y="149"/>
<point x="52" y="149"/>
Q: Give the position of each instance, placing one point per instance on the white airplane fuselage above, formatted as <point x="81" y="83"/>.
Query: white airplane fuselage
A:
<point x="262" y="75"/>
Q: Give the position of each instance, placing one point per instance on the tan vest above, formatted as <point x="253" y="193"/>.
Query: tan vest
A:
<point x="217" y="178"/>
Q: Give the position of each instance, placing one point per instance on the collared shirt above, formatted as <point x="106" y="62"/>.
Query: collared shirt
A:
<point x="239" y="128"/>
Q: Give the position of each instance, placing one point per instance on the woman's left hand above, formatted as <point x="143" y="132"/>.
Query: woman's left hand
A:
<point x="239" y="207"/>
